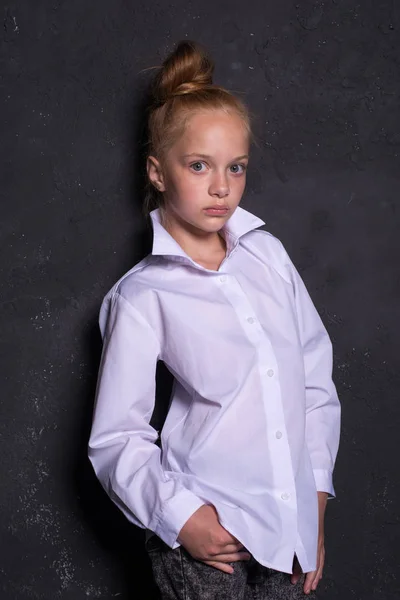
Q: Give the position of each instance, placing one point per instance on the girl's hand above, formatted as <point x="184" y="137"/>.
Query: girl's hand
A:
<point x="313" y="577"/>
<point x="206" y="540"/>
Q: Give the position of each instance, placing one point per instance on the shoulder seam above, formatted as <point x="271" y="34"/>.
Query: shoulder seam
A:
<point x="116" y="293"/>
<point x="134" y="269"/>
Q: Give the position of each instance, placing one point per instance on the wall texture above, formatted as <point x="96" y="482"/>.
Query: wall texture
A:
<point x="322" y="79"/>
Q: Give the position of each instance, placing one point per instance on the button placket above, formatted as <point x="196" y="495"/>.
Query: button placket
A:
<point x="269" y="375"/>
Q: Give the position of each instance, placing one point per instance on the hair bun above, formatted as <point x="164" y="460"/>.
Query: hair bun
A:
<point x="188" y="69"/>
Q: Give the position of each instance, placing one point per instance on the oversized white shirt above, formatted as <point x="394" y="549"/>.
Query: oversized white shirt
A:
<point x="254" y="420"/>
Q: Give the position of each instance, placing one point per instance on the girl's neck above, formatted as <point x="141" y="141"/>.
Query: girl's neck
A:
<point x="205" y="248"/>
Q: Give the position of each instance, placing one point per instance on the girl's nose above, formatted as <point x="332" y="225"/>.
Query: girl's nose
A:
<point x="219" y="186"/>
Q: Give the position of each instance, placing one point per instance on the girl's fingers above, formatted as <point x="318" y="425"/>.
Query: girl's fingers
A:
<point x="318" y="574"/>
<point x="222" y="561"/>
<point x="225" y="567"/>
<point x="231" y="540"/>
<point x="317" y="578"/>
<point x="308" y="581"/>
<point x="315" y="583"/>
<point x="231" y="548"/>
<point x="234" y="557"/>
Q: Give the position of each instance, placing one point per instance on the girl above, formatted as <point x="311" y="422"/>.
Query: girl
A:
<point x="233" y="497"/>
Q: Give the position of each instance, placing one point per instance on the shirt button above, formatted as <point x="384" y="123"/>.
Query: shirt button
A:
<point x="285" y="496"/>
<point x="278" y="434"/>
<point x="251" y="320"/>
<point x="270" y="372"/>
<point x="222" y="279"/>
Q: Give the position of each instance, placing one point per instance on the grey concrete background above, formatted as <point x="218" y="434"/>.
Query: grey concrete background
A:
<point x="322" y="79"/>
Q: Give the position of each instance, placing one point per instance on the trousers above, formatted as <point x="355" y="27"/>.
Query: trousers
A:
<point x="179" y="576"/>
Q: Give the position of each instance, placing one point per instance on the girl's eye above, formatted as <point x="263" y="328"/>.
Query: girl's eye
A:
<point x="197" y="166"/>
<point x="238" y="168"/>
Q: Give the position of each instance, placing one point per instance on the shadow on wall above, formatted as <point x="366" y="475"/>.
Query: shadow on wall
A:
<point x="118" y="538"/>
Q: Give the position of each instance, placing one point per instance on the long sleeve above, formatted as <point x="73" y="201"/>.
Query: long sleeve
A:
<point x="122" y="445"/>
<point x="323" y="410"/>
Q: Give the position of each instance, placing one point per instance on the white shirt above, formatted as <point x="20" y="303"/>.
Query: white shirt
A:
<point x="254" y="420"/>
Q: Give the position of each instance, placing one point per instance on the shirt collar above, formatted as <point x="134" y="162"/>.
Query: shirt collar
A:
<point x="241" y="221"/>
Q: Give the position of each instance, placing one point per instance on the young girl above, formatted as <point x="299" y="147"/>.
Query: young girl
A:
<point x="233" y="497"/>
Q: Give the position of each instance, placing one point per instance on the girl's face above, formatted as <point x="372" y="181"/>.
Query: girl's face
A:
<point x="205" y="168"/>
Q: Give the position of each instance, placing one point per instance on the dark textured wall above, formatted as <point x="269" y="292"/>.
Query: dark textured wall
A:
<point x="323" y="81"/>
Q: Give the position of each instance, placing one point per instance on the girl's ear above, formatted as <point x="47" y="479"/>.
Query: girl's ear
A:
<point x="155" y="174"/>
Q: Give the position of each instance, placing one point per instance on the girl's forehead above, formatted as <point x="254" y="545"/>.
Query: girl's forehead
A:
<point x="214" y="127"/>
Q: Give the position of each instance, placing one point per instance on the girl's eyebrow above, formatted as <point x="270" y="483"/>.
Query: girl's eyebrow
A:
<point x="207" y="156"/>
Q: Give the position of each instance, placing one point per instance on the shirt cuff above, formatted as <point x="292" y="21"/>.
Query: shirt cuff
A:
<point x="324" y="483"/>
<point x="174" y="515"/>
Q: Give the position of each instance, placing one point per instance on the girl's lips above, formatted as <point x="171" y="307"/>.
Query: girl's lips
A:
<point x="216" y="211"/>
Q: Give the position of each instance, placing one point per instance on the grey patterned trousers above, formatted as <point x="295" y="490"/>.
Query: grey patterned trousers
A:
<point x="180" y="577"/>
